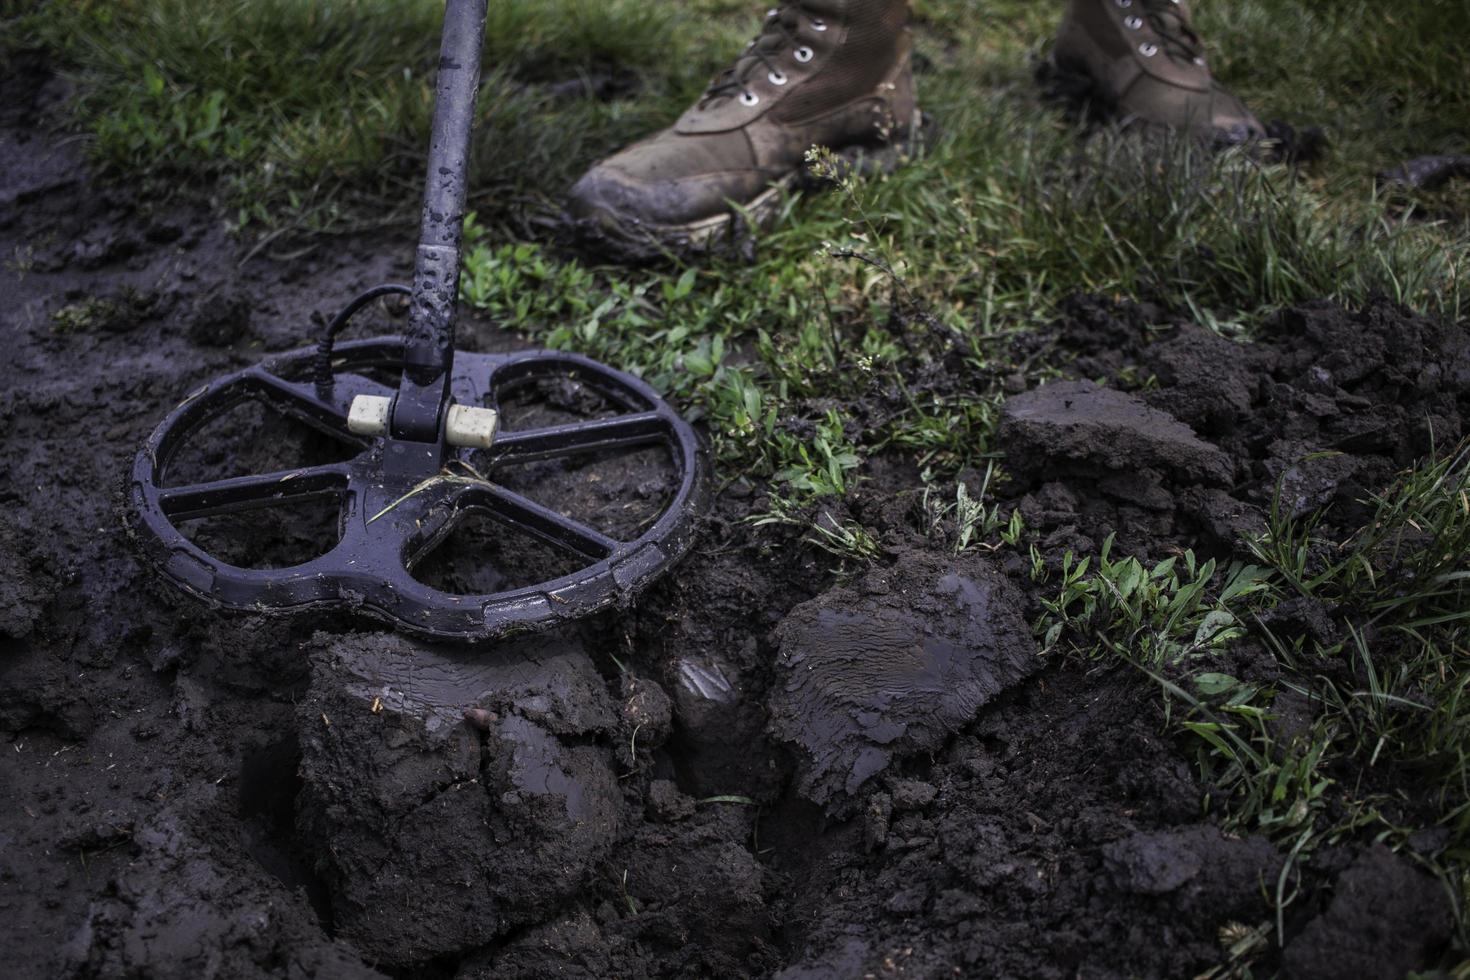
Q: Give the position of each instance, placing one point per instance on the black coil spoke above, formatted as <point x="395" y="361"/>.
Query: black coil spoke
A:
<point x="566" y="533"/>
<point x="301" y="402"/>
<point x="249" y="492"/>
<point x="593" y="435"/>
<point x="417" y="522"/>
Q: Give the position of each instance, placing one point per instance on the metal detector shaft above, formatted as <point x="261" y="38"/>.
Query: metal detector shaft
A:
<point x="429" y="352"/>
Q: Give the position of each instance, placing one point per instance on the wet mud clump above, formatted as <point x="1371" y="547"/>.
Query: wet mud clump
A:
<point x="891" y="666"/>
<point x="449" y="796"/>
<point x="1103" y="432"/>
<point x="192" y="906"/>
<point x="1059" y="835"/>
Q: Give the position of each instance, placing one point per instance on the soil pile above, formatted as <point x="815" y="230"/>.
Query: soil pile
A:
<point x="1324" y="408"/>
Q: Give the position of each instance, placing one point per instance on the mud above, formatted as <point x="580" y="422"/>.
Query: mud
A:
<point x="1385" y="919"/>
<point x="1325" y="408"/>
<point x="761" y="770"/>
<point x="435" y="836"/>
<point x="1079" y="427"/>
<point x="891" y="667"/>
<point x="1063" y="838"/>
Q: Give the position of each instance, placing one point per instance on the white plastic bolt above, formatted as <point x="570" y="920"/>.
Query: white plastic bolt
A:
<point x="468" y="426"/>
<point x="368" y="415"/>
<point x="471" y="426"/>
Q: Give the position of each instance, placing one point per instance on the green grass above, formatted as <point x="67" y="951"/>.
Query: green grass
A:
<point x="1401" y="586"/>
<point x="763" y="351"/>
<point x="316" y="113"/>
<point x="1384" y="752"/>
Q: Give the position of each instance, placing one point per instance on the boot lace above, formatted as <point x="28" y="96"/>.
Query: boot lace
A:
<point x="1178" y="38"/>
<point x="777" y="34"/>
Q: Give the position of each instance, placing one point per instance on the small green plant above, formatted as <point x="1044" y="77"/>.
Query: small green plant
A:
<point x="680" y="341"/>
<point x="83" y="316"/>
<point x="99" y="313"/>
<point x="1172" y="621"/>
<point x="1401" y="587"/>
<point x="1391" y="691"/>
<point x="844" y="539"/>
<point x="967" y="522"/>
<point x="821" y="466"/>
<point x="1158" y="616"/>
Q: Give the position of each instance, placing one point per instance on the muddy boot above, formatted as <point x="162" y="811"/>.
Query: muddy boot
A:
<point x="1143" y="62"/>
<point x="831" y="73"/>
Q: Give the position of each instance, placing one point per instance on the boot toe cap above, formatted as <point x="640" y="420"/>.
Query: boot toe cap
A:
<point x="601" y="196"/>
<point x="607" y="194"/>
<point x="1231" y="121"/>
<point x="1215" y="113"/>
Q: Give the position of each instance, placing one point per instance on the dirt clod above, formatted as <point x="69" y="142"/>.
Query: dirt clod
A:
<point x="871" y="673"/>
<point x="184" y="898"/>
<point x="479" y="830"/>
<point x="912" y="794"/>
<point x="1076" y="424"/>
<point x="1198" y="866"/>
<point x="666" y="803"/>
<point x="1386" y="919"/>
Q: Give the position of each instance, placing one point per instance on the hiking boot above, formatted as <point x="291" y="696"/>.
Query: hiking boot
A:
<point x="831" y="73"/>
<point x="1143" y="61"/>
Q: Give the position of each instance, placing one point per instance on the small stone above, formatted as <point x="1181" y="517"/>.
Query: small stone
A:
<point x="911" y="794"/>
<point x="876" y="817"/>
<point x="666" y="803"/>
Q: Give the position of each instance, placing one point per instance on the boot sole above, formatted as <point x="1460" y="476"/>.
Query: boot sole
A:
<point x="635" y="241"/>
<point x="1081" y="99"/>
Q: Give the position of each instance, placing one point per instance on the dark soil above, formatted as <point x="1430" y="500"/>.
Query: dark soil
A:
<point x="759" y="770"/>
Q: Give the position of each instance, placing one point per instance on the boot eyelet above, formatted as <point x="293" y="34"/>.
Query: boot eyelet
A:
<point x="1125" y="3"/>
<point x="777" y="77"/>
<point x="1148" y="50"/>
<point x="1133" y="22"/>
<point x="1199" y="61"/>
<point x="804" y="54"/>
<point x="749" y="98"/>
<point x="818" y="24"/>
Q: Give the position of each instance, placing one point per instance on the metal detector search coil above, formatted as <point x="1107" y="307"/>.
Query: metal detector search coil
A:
<point x="426" y="452"/>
